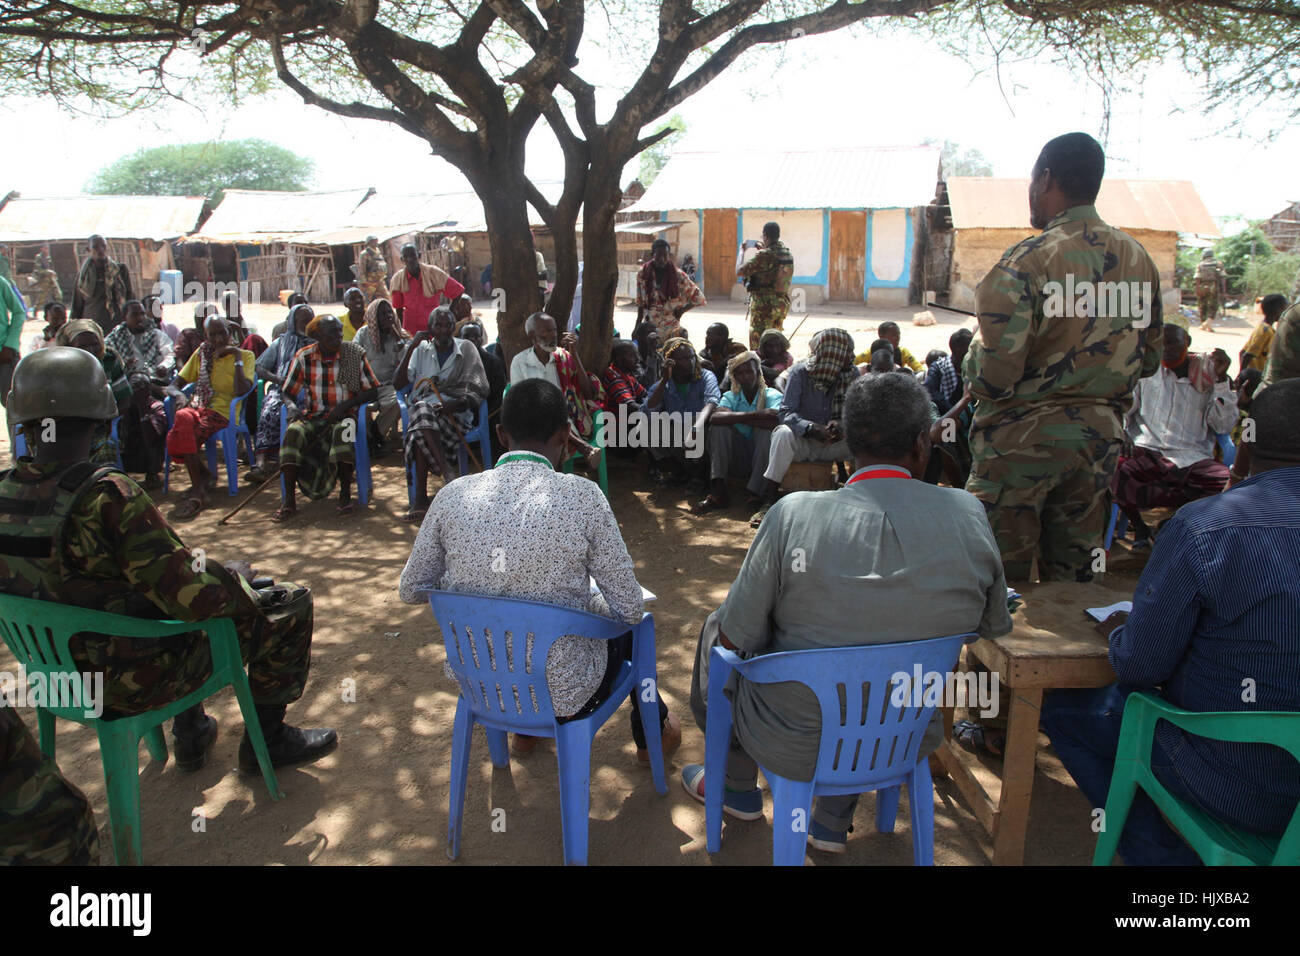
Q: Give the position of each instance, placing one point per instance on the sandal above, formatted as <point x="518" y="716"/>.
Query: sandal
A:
<point x="416" y="515"/>
<point x="757" y="517"/>
<point x="188" y="508"/>
<point x="346" y="508"/>
<point x="283" y="514"/>
<point x="710" y="503"/>
<point x="972" y="737"/>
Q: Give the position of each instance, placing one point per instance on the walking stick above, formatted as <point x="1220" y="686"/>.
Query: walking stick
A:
<point x="255" y="493"/>
<point x="451" y="418"/>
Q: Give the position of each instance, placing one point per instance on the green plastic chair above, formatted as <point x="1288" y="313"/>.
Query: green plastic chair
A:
<point x="38" y="633"/>
<point x="1217" y="843"/>
<point x="598" y="441"/>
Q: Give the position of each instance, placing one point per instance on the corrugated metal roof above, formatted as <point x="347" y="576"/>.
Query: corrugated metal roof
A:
<point x="258" y="216"/>
<point x="1162" y="205"/>
<point x="113" y="217"/>
<point x="854" y="178"/>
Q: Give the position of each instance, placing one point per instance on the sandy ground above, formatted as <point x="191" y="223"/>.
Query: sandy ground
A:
<point x="381" y="798"/>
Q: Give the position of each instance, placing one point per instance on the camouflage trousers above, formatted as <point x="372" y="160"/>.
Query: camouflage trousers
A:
<point x="374" y="289"/>
<point x="44" y="819"/>
<point x="1207" y="299"/>
<point x="1048" y="500"/>
<point x="141" y="675"/>
<point x="767" y="310"/>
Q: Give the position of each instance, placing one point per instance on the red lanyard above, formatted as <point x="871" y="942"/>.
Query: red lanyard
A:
<point x="878" y="473"/>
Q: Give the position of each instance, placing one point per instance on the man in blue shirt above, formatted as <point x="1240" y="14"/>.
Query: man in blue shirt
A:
<point x="741" y="436"/>
<point x="1216" y="627"/>
<point x="689" y="393"/>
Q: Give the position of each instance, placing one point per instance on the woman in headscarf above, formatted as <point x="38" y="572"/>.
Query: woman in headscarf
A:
<point x="85" y="334"/>
<point x="383" y="340"/>
<point x="273" y="365"/>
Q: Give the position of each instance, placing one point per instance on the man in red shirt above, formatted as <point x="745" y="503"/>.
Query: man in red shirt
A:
<point x="418" y="289"/>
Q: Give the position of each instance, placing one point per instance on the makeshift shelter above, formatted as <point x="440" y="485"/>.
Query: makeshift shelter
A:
<point x="980" y="218"/>
<point x="137" y="229"/>
<point x="852" y="217"/>
<point x="1283" y="230"/>
<point x="272" y="241"/>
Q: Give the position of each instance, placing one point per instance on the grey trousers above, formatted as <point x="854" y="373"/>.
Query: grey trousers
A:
<point x="834" y="813"/>
<point x="731" y="455"/>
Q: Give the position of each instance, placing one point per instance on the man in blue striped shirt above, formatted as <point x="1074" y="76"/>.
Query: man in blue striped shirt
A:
<point x="1216" y="627"/>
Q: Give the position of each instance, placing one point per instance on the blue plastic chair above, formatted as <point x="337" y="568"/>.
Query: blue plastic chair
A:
<point x="867" y="743"/>
<point x="228" y="437"/>
<point x="1119" y="523"/>
<point x="478" y="433"/>
<point x="360" y="451"/>
<point x="1226" y="446"/>
<point x="503" y="687"/>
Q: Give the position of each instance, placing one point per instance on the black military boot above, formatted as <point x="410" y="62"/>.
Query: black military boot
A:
<point x="193" y="735"/>
<point x="286" y="745"/>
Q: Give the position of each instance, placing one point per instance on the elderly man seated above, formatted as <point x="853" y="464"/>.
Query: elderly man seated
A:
<point x="1213" y="628"/>
<point x="810" y="428"/>
<point x="448" y="385"/>
<point x="689" y="391"/>
<point x="1175" y="416"/>
<point x="555" y="533"/>
<point x="741" y="433"/>
<point x="561" y="366"/>
<point x="329" y="380"/>
<point x="921" y="558"/>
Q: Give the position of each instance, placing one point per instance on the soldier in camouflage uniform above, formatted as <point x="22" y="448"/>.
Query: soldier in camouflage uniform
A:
<point x="44" y="819"/>
<point x="75" y="533"/>
<point x="47" y="280"/>
<point x="767" y="277"/>
<point x="373" y="271"/>
<point x="1211" y="286"/>
<point x="1054" y="368"/>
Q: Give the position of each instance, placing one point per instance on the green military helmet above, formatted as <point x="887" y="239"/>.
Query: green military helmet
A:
<point x="60" y="382"/>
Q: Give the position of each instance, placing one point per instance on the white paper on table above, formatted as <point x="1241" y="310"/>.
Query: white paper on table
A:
<point x="1012" y="595"/>
<point x="1101" y="613"/>
<point x="646" y="595"/>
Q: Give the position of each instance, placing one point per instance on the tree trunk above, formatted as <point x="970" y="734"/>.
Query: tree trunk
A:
<point x="514" y="264"/>
<point x="560" y="304"/>
<point x="600" y="267"/>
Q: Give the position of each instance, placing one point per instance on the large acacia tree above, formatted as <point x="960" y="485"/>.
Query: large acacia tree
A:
<point x="474" y="78"/>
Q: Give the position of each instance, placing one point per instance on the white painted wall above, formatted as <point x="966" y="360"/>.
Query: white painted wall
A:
<point x="688" y="237"/>
<point x="888" y="244"/>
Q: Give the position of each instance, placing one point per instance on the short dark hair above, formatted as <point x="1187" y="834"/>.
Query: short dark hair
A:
<point x="883" y="414"/>
<point x="882" y="344"/>
<point x="1077" y="163"/>
<point x="1276" y="412"/>
<point x="882" y="360"/>
<point x="533" y="410"/>
<point x="934" y="355"/>
<point x="888" y="327"/>
<point x="772" y="229"/>
<point x="1272" y="304"/>
<point x="660" y="243"/>
<point x="961" y="335"/>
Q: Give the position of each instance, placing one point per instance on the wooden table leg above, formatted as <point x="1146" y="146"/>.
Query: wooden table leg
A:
<point x="1017" y="777"/>
<point x="937" y="768"/>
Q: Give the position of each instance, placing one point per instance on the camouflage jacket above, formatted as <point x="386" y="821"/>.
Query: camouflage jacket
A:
<point x="1069" y="320"/>
<point x="1284" y="354"/>
<point x="116" y="553"/>
<point x="770" y="271"/>
<point x="1210" y="271"/>
<point x="373" y="265"/>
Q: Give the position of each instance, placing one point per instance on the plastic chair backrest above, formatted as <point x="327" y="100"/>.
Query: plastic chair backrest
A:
<point x="497" y="648"/>
<point x="39" y="632"/>
<point x="876" y="702"/>
<point x="1227" y="447"/>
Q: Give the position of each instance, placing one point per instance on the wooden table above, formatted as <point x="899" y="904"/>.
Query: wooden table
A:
<point x="1053" y="644"/>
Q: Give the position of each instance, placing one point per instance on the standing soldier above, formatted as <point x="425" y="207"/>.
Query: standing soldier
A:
<point x="767" y="277"/>
<point x="47" y="280"/>
<point x="103" y="288"/>
<point x="1069" y="320"/>
<point x="1211" y="288"/>
<point x="374" y="271"/>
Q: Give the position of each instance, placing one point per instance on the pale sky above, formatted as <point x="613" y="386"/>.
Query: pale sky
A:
<point x="836" y="90"/>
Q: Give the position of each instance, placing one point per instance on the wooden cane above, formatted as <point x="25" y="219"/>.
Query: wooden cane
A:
<point x="432" y="383"/>
<point x="255" y="493"/>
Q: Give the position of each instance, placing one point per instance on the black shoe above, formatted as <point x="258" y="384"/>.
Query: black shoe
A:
<point x="192" y="750"/>
<point x="292" y="747"/>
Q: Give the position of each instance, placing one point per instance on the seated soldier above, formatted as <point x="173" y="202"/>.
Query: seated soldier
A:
<point x="448" y="385"/>
<point x="740" y="433"/>
<point x="114" y="552"/>
<point x="561" y="366"/>
<point x="1175" y="416"/>
<point x="810" y="412"/>
<point x="218" y="369"/>
<point x="687" y="390"/>
<point x="1213" y="628"/>
<point x="718" y="351"/>
<point x="328" y="381"/>
<point x="146" y="355"/>
<point x="922" y="559"/>
<point x="557" y="533"/>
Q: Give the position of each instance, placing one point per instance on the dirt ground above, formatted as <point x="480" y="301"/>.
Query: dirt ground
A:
<point x="381" y="798"/>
